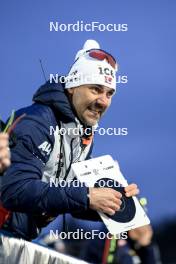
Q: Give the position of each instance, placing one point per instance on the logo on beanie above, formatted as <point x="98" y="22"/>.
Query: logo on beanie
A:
<point x="108" y="79"/>
<point x="73" y="76"/>
<point x="106" y="71"/>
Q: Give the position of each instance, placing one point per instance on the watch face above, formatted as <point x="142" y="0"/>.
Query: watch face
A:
<point x="127" y="209"/>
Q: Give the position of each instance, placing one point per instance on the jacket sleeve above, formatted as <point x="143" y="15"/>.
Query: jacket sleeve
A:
<point x="22" y="188"/>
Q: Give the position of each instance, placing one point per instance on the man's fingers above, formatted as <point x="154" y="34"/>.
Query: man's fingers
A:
<point x="4" y="153"/>
<point x="142" y="235"/>
<point x="132" y="193"/>
<point x="131" y="190"/>
<point x="4" y="136"/>
<point x="105" y="200"/>
<point x="117" y="202"/>
<point x="109" y="211"/>
<point x="115" y="206"/>
<point x="112" y="209"/>
<point x="116" y="193"/>
<point x="6" y="163"/>
<point x="131" y="187"/>
<point x="3" y="144"/>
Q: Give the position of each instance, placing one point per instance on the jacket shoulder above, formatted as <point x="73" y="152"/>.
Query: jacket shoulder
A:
<point x="33" y="129"/>
<point x="41" y="113"/>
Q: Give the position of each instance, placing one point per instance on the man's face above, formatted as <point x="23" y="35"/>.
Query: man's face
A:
<point x="90" y="102"/>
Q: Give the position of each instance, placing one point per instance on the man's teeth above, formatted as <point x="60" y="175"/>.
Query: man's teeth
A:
<point x="93" y="110"/>
<point x="96" y="112"/>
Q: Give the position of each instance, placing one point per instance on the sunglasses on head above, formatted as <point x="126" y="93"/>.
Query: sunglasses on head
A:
<point x="101" y="55"/>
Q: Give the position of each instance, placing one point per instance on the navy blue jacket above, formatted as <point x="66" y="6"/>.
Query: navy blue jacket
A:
<point x="26" y="190"/>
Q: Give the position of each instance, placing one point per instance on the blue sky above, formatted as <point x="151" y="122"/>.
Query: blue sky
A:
<point x="145" y="105"/>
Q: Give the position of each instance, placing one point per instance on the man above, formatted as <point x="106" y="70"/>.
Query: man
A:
<point x="40" y="156"/>
<point x="4" y="152"/>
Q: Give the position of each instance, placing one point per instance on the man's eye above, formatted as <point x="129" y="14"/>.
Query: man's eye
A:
<point x="95" y="89"/>
<point x="110" y="94"/>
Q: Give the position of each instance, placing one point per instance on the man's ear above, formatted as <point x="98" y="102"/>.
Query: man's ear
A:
<point x="70" y="91"/>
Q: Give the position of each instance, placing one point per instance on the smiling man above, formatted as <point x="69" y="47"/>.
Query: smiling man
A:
<point x="38" y="157"/>
<point x="90" y="102"/>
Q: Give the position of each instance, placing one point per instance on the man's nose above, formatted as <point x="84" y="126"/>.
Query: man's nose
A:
<point x="103" y="100"/>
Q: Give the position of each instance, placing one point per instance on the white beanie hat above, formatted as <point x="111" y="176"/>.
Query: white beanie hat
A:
<point x="88" y="70"/>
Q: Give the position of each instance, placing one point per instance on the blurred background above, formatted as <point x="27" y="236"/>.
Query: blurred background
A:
<point x="145" y="104"/>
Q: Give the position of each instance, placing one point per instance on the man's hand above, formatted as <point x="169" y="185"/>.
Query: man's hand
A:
<point x="142" y="235"/>
<point x="107" y="200"/>
<point x="4" y="152"/>
<point x="131" y="190"/>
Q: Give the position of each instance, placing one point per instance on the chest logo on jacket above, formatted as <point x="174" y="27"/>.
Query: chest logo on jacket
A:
<point x="45" y="147"/>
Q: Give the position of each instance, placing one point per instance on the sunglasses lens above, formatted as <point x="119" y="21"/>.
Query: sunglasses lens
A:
<point x="112" y="62"/>
<point x="101" y="55"/>
<point x="97" y="55"/>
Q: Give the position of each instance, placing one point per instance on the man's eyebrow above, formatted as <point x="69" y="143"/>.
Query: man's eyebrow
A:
<point x="97" y="85"/>
<point x="102" y="88"/>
